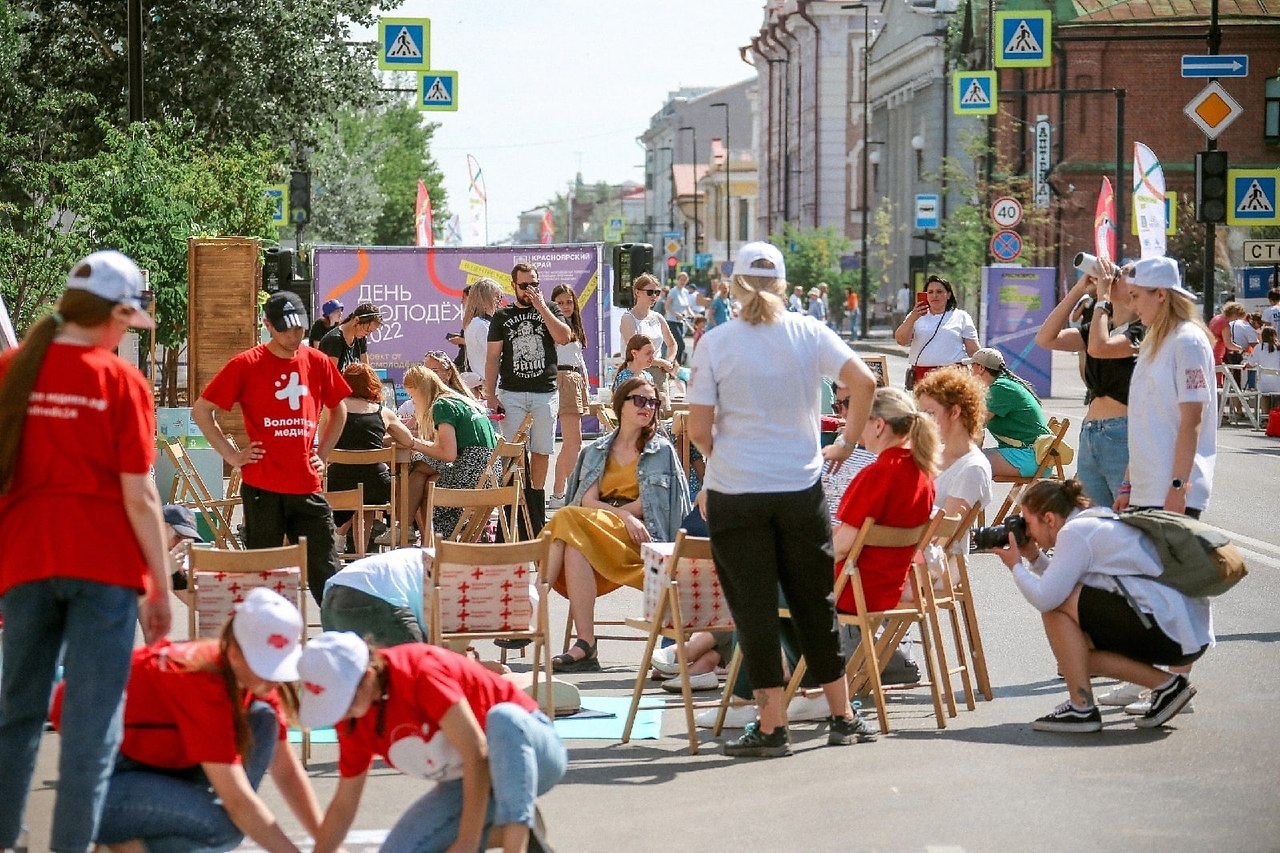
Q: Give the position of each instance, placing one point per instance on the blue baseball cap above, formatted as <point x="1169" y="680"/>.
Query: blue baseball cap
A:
<point x="331" y="306"/>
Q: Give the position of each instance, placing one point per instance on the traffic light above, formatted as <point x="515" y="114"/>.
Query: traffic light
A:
<point x="277" y="269"/>
<point x="629" y="260"/>
<point x="300" y="198"/>
<point x="1211" y="186"/>
<point x="673" y="266"/>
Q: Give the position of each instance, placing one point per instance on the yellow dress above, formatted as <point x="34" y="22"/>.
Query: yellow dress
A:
<point x="601" y="535"/>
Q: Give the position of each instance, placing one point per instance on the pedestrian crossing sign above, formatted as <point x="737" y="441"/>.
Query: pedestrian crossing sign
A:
<point x="973" y="93"/>
<point x="278" y="197"/>
<point x="1251" y="197"/>
<point x="404" y="44"/>
<point x="438" y="91"/>
<point x="1023" y="40"/>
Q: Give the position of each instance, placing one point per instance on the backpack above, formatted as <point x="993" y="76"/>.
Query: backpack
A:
<point x="1198" y="560"/>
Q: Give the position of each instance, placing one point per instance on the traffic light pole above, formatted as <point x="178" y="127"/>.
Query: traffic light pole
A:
<point x="1210" y="229"/>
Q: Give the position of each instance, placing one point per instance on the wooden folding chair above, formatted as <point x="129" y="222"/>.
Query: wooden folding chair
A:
<point x="385" y="456"/>
<point x="478" y="506"/>
<point x="190" y="490"/>
<point x="351" y="500"/>
<point x="1049" y="458"/>
<point x="688" y="599"/>
<point x="872" y="653"/>
<point x="219" y="579"/>
<point x="481" y="591"/>
<point x="956" y="597"/>
<point x="937" y="596"/>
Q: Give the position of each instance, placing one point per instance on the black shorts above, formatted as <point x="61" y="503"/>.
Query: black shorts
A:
<point x="1114" y="626"/>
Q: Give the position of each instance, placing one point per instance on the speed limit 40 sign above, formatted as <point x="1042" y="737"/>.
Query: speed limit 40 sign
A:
<point x="1006" y="212"/>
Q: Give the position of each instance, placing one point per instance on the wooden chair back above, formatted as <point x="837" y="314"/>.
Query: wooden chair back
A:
<point x="190" y="490"/>
<point x="482" y="591"/>
<point x="478" y="506"/>
<point x="682" y="596"/>
<point x="1051" y="457"/>
<point x="351" y="500"/>
<point x="955" y="594"/>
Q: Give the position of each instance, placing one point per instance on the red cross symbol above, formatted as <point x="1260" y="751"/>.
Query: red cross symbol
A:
<point x="463" y="600"/>
<point x="506" y="585"/>
<point x="463" y="587"/>
<point x="506" y="599"/>
<point x="220" y="576"/>
<point x="266" y="576"/>
<point x="521" y="571"/>
<point x="477" y="573"/>
<point x="463" y="614"/>
<point x="235" y="589"/>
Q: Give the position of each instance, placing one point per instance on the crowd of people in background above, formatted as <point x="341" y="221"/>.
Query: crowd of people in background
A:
<point x="760" y="364"/>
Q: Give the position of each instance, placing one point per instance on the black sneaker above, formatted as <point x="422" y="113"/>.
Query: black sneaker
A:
<point x="1166" y="702"/>
<point x="842" y="731"/>
<point x="1067" y="719"/>
<point x="756" y="744"/>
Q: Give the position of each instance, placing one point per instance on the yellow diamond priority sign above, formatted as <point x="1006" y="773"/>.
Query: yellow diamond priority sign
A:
<point x="1213" y="109"/>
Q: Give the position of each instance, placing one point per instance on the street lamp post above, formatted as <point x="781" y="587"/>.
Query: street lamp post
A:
<point x="694" y="133"/>
<point x="728" y="175"/>
<point x="671" y="185"/>
<point x="865" y="297"/>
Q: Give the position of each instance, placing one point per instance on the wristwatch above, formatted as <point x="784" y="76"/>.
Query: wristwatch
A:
<point x="1178" y="484"/>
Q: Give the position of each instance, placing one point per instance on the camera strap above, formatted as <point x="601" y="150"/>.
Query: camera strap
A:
<point x="1142" y="617"/>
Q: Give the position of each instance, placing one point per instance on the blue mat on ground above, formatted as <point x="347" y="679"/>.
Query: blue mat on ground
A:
<point x="648" y="724"/>
<point x="317" y="735"/>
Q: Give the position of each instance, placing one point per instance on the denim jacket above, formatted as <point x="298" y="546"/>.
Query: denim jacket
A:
<point x="664" y="492"/>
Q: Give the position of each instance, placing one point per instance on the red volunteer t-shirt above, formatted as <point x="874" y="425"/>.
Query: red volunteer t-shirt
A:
<point x="423" y="683"/>
<point x="89" y="420"/>
<point x="896" y="493"/>
<point x="281" y="400"/>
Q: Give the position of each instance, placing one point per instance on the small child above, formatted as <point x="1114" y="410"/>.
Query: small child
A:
<point x="1267" y="355"/>
<point x="699" y="329"/>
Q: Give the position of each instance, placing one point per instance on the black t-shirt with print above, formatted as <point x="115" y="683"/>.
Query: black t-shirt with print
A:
<point x="528" y="351"/>
<point x="335" y="345"/>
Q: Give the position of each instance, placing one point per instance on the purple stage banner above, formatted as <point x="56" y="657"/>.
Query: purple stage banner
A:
<point x="419" y="291"/>
<point x="1018" y="301"/>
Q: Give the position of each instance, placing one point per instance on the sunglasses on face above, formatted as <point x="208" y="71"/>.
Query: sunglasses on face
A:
<point x="651" y="292"/>
<point x="642" y="402"/>
<point x="841" y="404"/>
<point x="528" y="285"/>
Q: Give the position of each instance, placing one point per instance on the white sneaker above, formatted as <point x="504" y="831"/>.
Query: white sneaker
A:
<point x="736" y="717"/>
<point x="702" y="681"/>
<point x="1140" y="707"/>
<point x="807" y="708"/>
<point x="555" y="502"/>
<point x="1122" y="694"/>
<point x="664" y="661"/>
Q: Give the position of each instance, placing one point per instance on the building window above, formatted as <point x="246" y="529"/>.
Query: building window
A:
<point x="744" y="213"/>
<point x="919" y="165"/>
<point x="648" y="180"/>
<point x="1271" y="111"/>
<point x="875" y="178"/>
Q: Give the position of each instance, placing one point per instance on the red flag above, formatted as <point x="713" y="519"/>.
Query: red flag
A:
<point x="548" y="228"/>
<point x="422" y="217"/>
<point x="1104" y="223"/>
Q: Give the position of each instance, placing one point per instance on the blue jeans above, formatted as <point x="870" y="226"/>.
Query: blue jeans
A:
<point x="526" y="759"/>
<point x="92" y="624"/>
<point x="176" y="810"/>
<point x="855" y="323"/>
<point x="1103" y="458"/>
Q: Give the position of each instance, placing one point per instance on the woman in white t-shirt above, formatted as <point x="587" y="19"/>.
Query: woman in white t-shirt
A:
<point x="571" y="382"/>
<point x="754" y="413"/>
<point x="937" y="331"/>
<point x="1173" y="419"/>
<point x="1267" y="355"/>
<point x="956" y="400"/>
<point x="484" y="297"/>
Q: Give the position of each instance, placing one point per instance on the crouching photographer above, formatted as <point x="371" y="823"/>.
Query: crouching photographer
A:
<point x="1104" y="614"/>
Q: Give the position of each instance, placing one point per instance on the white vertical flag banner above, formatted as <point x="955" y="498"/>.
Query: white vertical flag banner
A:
<point x="1148" y="201"/>
<point x="477" y="230"/>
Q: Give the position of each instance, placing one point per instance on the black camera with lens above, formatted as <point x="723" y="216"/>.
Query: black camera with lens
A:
<point x="997" y="535"/>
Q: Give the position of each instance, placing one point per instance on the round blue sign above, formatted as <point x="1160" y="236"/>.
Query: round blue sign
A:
<point x="1006" y="245"/>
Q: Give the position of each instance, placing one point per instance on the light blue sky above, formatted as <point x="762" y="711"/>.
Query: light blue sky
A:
<point x="548" y="86"/>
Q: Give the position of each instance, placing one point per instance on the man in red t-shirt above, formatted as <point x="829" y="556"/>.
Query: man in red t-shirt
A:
<point x="282" y="388"/>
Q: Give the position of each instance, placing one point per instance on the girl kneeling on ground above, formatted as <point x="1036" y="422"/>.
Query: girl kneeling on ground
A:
<point x="436" y="715"/>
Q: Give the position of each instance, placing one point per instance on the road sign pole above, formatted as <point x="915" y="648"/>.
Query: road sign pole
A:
<point x="1210" y="229"/>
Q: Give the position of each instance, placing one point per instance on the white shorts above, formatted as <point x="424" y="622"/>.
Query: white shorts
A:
<point x="544" y="406"/>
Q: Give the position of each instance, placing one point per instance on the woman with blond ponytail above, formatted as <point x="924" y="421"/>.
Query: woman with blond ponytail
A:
<point x="77" y="441"/>
<point x="754" y="413"/>
<point x="896" y="490"/>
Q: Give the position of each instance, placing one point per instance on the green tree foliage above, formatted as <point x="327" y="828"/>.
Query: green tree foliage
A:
<point x="812" y="255"/>
<point x="242" y="70"/>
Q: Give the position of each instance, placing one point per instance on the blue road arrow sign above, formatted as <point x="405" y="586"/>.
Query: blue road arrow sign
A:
<point x="1223" y="65"/>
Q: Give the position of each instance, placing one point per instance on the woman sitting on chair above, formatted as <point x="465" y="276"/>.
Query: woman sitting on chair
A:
<point x="367" y="426"/>
<point x="627" y="489"/>
<point x="456" y="440"/>
<point x="895" y="490"/>
<point x="641" y="360"/>
<point x="956" y="400"/>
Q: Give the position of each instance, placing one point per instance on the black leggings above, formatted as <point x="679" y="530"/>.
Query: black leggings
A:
<point x="766" y="541"/>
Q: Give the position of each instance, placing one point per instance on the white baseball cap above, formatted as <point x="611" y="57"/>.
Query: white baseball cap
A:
<point x="1158" y="274"/>
<point x="267" y="627"/>
<point x="114" y="277"/>
<point x="760" y="251"/>
<point x="330" y="670"/>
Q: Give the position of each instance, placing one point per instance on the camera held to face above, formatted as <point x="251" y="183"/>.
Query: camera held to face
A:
<point x="997" y="535"/>
<point x="1087" y="264"/>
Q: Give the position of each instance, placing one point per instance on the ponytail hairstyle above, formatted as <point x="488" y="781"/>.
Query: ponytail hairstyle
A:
<point x="74" y="306"/>
<point x="575" y="319"/>
<point x="898" y="409"/>
<point x="1268" y="338"/>
<point x="1005" y="371"/>
<point x="1060" y="497"/>
<point x="479" y="300"/>
<point x="634" y="344"/>
<point x="763" y="298"/>
<point x="287" y="693"/>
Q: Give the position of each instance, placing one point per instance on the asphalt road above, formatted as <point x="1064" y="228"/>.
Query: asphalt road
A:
<point x="987" y="782"/>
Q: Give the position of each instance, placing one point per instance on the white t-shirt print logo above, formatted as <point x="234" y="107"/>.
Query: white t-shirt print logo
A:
<point x="291" y="389"/>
